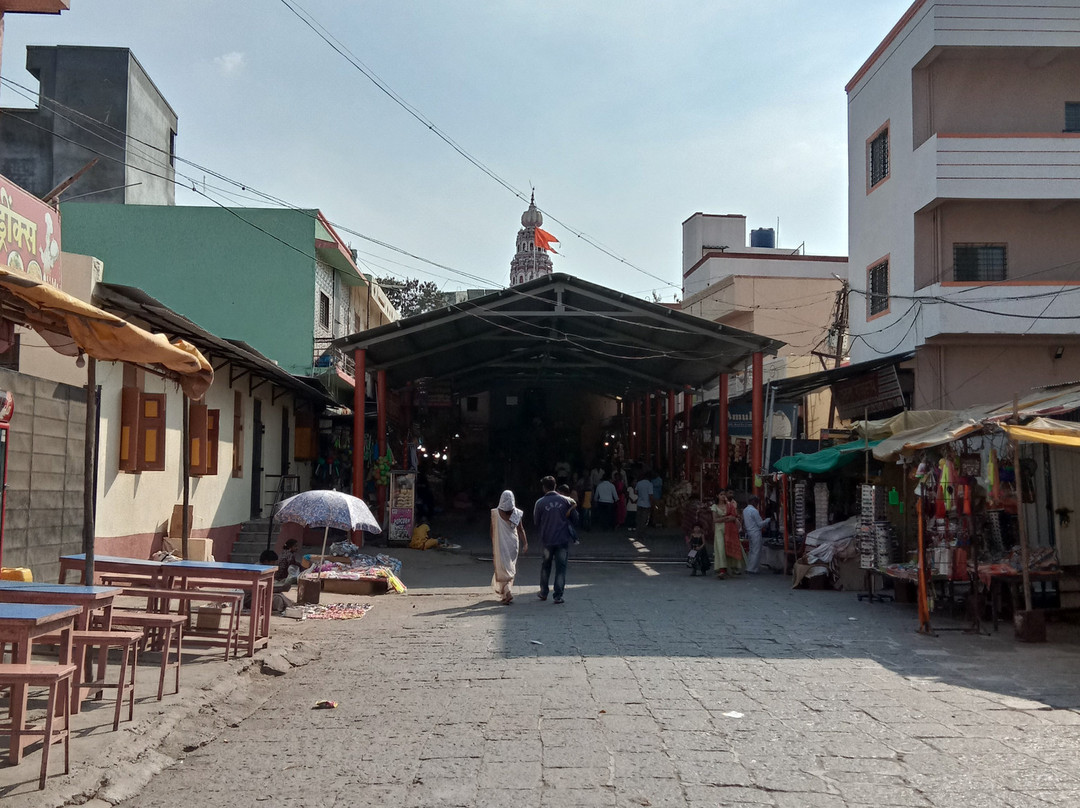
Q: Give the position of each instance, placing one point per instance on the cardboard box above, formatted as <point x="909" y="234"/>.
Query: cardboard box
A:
<point x="208" y="618"/>
<point x="176" y="524"/>
<point x="850" y="576"/>
<point x="344" y="587"/>
<point x="200" y="549"/>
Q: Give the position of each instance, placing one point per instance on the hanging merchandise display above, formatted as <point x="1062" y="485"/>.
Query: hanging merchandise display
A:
<point x="798" y="510"/>
<point x="821" y="504"/>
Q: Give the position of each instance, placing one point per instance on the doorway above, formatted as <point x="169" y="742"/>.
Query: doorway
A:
<point x="256" y="461"/>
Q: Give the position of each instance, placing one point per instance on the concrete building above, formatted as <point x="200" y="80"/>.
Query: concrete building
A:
<point x="775" y="292"/>
<point x="281" y="281"/>
<point x="94" y="103"/>
<point x="964" y="198"/>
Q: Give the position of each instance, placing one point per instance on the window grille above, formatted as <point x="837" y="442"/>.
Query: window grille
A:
<point x="878" y="288"/>
<point x="879" y="158"/>
<point x="979" y="262"/>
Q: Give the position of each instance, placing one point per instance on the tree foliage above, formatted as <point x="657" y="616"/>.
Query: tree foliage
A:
<point x="412" y="296"/>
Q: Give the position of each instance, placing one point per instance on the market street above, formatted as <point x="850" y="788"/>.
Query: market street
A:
<point x="649" y="687"/>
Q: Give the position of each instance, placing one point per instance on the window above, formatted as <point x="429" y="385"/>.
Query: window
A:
<point x="203" y="436"/>
<point x="979" y="262"/>
<point x="324" y="310"/>
<point x="142" y="430"/>
<point x="877" y="285"/>
<point x="877" y="150"/>
<point x="1072" y="116"/>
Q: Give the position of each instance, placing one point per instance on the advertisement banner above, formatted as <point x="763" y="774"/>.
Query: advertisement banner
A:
<point x="402" y="504"/>
<point x="784" y="421"/>
<point x="29" y="235"/>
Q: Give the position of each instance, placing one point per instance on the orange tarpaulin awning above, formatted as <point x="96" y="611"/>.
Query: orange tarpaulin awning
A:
<point x="62" y="320"/>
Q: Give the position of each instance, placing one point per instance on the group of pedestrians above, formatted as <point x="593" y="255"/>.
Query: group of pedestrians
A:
<point x="554" y="515"/>
<point x="617" y="503"/>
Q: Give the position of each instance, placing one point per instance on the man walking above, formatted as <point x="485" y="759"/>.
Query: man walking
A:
<point x="551" y="515"/>
<point x="645" y="498"/>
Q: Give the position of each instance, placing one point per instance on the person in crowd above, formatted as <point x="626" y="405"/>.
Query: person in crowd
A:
<point x="631" y="508"/>
<point x="698" y="557"/>
<point x="645" y="498"/>
<point x="657" y="485"/>
<point x="551" y="515"/>
<point x="290" y="557"/>
<point x="620" y="501"/>
<point x="732" y="537"/>
<point x="507" y="541"/>
<point x="754" y="525"/>
<point x="726" y="547"/>
<point x="573" y="515"/>
<point x="586" y="509"/>
<point x="604" y="499"/>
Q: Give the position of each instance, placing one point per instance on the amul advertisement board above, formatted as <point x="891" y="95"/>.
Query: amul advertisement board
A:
<point x="402" y="504"/>
<point x="29" y="234"/>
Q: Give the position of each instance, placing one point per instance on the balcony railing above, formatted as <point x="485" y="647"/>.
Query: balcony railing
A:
<point x="332" y="360"/>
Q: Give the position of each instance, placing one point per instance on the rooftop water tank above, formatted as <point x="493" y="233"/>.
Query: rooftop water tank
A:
<point x="763" y="237"/>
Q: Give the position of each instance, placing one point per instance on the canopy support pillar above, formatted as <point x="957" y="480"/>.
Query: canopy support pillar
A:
<point x="89" y="464"/>
<point x="647" y="445"/>
<point x="757" y="421"/>
<point x="723" y="456"/>
<point x="659" y="464"/>
<point x="383" y="406"/>
<point x="670" y="434"/>
<point x="359" y="405"/>
<point x="687" y="403"/>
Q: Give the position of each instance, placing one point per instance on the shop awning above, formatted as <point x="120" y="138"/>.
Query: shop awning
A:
<point x="1054" y="401"/>
<point x="826" y="460"/>
<point x="1045" y="430"/>
<point x="69" y="325"/>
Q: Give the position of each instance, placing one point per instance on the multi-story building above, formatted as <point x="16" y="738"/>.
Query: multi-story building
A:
<point x="775" y="292"/>
<point x="964" y="198"/>
<point x="282" y="281"/>
<point x="93" y="104"/>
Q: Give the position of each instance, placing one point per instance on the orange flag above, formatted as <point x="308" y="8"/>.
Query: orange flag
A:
<point x="544" y="240"/>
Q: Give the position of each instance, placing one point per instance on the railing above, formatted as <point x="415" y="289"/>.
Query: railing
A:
<point x="329" y="359"/>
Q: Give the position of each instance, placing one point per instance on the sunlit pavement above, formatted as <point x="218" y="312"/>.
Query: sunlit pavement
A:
<point x="648" y="687"/>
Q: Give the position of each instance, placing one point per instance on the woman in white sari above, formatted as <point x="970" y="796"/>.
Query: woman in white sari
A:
<point x="507" y="535"/>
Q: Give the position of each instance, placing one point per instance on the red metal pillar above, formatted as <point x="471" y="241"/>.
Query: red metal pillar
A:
<point x="757" y="421"/>
<point x="359" y="404"/>
<point x="671" y="434"/>
<point x="647" y="446"/>
<point x="658" y="466"/>
<point x="383" y="405"/>
<point x="724" y="455"/>
<point x="687" y="403"/>
<point x="633" y="429"/>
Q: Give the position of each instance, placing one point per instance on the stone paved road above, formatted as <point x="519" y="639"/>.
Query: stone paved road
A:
<point x="647" y="688"/>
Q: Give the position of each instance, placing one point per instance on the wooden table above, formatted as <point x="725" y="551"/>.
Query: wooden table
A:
<point x="20" y="623"/>
<point x="255" y="579"/>
<point x="89" y="598"/>
<point x="1013" y="583"/>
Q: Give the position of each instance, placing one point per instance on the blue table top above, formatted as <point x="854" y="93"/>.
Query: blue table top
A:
<point x="63" y="589"/>
<point x="141" y="562"/>
<point x="36" y="612"/>
<point x="220" y="565"/>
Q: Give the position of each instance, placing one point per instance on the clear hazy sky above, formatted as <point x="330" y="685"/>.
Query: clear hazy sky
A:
<point x="627" y="117"/>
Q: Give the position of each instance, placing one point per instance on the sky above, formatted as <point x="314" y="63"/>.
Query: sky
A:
<point x="625" y="117"/>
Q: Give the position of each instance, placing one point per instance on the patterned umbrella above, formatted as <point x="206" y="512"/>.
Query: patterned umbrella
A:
<point x="327" y="509"/>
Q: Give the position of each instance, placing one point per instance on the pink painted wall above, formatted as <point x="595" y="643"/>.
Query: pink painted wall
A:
<point x="984" y="91"/>
<point x="990" y="371"/>
<point x="143" y="545"/>
<point x="1042" y="238"/>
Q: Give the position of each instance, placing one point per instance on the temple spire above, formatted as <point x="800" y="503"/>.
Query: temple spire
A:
<point x="531" y="260"/>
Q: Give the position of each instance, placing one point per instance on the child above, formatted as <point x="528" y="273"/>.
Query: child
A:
<point x="698" y="557"/>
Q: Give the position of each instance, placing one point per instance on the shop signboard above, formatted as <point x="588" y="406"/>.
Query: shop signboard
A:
<point x="402" y="506"/>
<point x="871" y="393"/>
<point x="784" y="420"/>
<point x="29" y="235"/>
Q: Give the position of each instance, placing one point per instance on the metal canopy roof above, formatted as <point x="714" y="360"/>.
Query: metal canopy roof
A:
<point x="798" y="386"/>
<point x="558" y="330"/>
<point x="135" y="303"/>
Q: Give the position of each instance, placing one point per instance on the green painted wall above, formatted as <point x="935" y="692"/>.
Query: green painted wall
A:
<point x="218" y="269"/>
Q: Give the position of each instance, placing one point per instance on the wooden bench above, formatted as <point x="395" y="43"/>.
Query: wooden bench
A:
<point x="158" y="600"/>
<point x="58" y="680"/>
<point x="82" y="641"/>
<point x="163" y="631"/>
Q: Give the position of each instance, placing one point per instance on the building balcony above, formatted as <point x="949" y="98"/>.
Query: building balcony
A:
<point x="1007" y="310"/>
<point x="334" y="365"/>
<point x="1005" y="166"/>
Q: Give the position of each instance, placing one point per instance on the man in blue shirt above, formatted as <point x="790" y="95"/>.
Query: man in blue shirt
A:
<point x="551" y="515"/>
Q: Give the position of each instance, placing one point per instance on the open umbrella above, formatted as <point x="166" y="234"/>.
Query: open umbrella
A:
<point x="327" y="509"/>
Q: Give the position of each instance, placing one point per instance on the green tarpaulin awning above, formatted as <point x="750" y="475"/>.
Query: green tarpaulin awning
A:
<point x="826" y="460"/>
